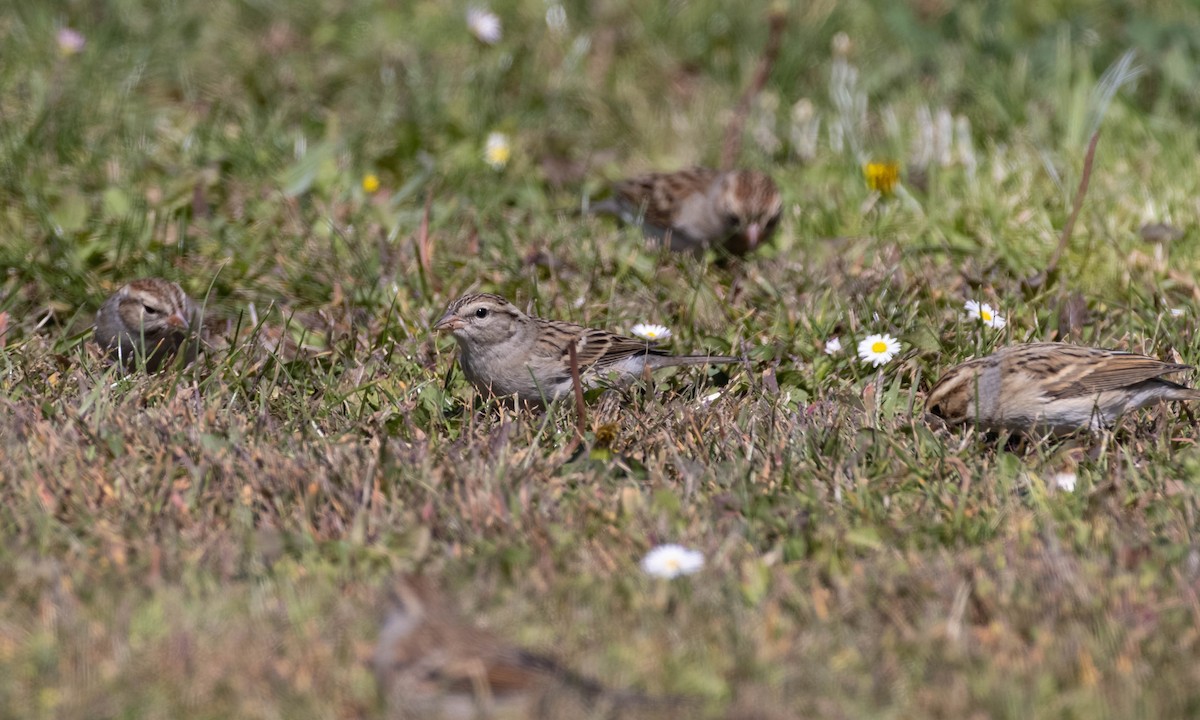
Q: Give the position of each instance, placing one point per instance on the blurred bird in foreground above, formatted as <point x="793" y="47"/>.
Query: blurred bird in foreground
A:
<point x="431" y="664"/>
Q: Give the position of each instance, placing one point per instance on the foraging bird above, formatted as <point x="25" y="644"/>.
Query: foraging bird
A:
<point x="430" y="663"/>
<point x="1053" y="386"/>
<point x="695" y="209"/>
<point x="149" y="318"/>
<point x="505" y="352"/>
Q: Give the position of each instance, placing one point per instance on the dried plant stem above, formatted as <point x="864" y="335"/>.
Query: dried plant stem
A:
<point x="580" y="409"/>
<point x="1069" y="226"/>
<point x="733" y="132"/>
<point x="424" y="242"/>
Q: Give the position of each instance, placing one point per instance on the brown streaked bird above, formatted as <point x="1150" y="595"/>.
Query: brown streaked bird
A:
<point x="149" y="318"/>
<point x="1057" y="387"/>
<point x="504" y="352"/>
<point x="698" y="208"/>
<point x="431" y="664"/>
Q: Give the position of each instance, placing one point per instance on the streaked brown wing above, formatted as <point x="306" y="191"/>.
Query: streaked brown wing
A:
<point x="1102" y="370"/>
<point x="593" y="347"/>
<point x="518" y="670"/>
<point x="656" y="196"/>
<point x="621" y="347"/>
<point x="504" y="670"/>
<point x="590" y="344"/>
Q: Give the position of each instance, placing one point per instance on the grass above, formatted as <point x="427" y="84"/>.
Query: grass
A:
<point x="216" y="541"/>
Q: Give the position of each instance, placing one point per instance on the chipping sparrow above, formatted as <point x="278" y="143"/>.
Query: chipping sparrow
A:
<point x="430" y="663"/>
<point x="698" y="208"/>
<point x="149" y="318"/>
<point x="505" y="352"/>
<point x="1053" y="386"/>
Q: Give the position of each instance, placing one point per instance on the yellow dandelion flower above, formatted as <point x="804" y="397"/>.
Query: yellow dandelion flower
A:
<point x="370" y="183"/>
<point x="606" y="435"/>
<point x="882" y="177"/>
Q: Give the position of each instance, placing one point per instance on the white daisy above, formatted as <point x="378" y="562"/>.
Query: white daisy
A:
<point x="671" y="561"/>
<point x="878" y="349"/>
<point x="651" y="333"/>
<point x="556" y="17"/>
<point x="1064" y="481"/>
<point x="984" y="313"/>
<point x="833" y="346"/>
<point x="70" y="42"/>
<point x="484" y="25"/>
<point x="497" y="151"/>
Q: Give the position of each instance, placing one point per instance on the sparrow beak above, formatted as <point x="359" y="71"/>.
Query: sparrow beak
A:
<point x="450" y="322"/>
<point x="753" y="233"/>
<point x="178" y="321"/>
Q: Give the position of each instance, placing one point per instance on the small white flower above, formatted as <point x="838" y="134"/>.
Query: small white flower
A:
<point x="671" y="561"/>
<point x="497" y="151"/>
<point x="652" y="333"/>
<point x="484" y="25"/>
<point x="556" y="17"/>
<point x="878" y="349"/>
<point x="70" y="42"/>
<point x="710" y="399"/>
<point x="984" y="313"/>
<point x="1064" y="481"/>
<point x="1177" y="312"/>
<point x="833" y="346"/>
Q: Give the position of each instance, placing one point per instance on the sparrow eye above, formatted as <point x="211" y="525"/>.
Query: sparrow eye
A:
<point x="481" y="313"/>
<point x="731" y="220"/>
<point x="150" y="310"/>
<point x="936" y="410"/>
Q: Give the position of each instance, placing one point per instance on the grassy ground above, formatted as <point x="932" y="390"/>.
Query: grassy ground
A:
<point x="215" y="542"/>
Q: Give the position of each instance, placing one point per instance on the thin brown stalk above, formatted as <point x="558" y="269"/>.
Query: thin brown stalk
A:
<point x="1069" y="226"/>
<point x="733" y="132"/>
<point x="424" y="243"/>
<point x="580" y="409"/>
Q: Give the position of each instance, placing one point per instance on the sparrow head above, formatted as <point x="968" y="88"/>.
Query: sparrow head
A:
<point x="952" y="397"/>
<point x="154" y="308"/>
<point x="481" y="319"/>
<point x="750" y="205"/>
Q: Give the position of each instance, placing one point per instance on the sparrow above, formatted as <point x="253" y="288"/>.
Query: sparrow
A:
<point x="695" y="209"/>
<point x="1057" y="387"/>
<point x="148" y="319"/>
<point x="430" y="663"/>
<point x="505" y="352"/>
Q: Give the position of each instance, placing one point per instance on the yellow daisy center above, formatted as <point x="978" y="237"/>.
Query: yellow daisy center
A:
<point x="498" y="154"/>
<point x="987" y="316"/>
<point x="879" y="347"/>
